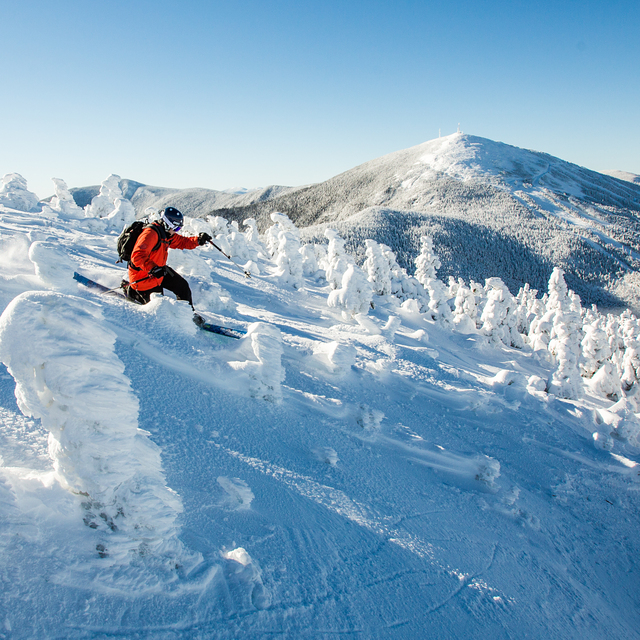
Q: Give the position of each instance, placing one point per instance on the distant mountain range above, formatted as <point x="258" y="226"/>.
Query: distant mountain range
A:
<point x="492" y="209"/>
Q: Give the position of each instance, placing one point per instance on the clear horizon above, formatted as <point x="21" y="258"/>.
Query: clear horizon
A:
<point x="205" y="94"/>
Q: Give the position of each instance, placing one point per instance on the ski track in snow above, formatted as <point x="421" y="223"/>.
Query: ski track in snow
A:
<point x="338" y="502"/>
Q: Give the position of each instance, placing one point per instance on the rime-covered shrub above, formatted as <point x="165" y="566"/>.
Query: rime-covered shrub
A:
<point x="499" y="319"/>
<point x="427" y="264"/>
<point x="595" y="348"/>
<point x="337" y="260"/>
<point x="283" y="241"/>
<point x="466" y="310"/>
<point x="355" y="294"/>
<point x="565" y="337"/>
<point x="389" y="278"/>
<point x="15" y="195"/>
<point x="62" y="204"/>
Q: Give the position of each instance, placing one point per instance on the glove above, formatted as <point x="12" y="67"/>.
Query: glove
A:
<point x="158" y="272"/>
<point x="203" y="238"/>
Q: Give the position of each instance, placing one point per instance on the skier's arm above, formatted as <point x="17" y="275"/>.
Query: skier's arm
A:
<point x="183" y="242"/>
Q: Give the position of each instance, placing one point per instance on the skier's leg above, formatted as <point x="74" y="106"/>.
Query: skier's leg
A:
<point x="141" y="297"/>
<point x="175" y="283"/>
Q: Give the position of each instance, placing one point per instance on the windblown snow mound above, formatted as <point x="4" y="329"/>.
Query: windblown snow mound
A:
<point x="68" y="375"/>
<point x="262" y="348"/>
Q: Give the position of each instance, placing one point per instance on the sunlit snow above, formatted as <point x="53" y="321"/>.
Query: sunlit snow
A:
<point x="383" y="455"/>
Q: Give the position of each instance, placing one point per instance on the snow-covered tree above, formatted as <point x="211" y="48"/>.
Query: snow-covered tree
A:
<point x="110" y="207"/>
<point x="403" y="286"/>
<point x="525" y="301"/>
<point x="613" y="327"/>
<point x="355" y="293"/>
<point x="286" y="252"/>
<point x="631" y="360"/>
<point x="606" y="381"/>
<point x="337" y="259"/>
<point x="466" y="310"/>
<point x="427" y="264"/>
<point x="377" y="268"/>
<point x="312" y="257"/>
<point x="103" y="204"/>
<point x="239" y="249"/>
<point x="255" y="246"/>
<point x="454" y="285"/>
<point x="122" y="215"/>
<point x="281" y="222"/>
<point x="540" y="325"/>
<point x="595" y="348"/>
<point x="15" y="195"/>
<point x="565" y="337"/>
<point x="499" y="319"/>
<point x="251" y="234"/>
<point x="62" y="204"/>
<point x="220" y="231"/>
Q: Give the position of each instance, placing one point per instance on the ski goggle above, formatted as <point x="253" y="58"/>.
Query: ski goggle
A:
<point x="176" y="226"/>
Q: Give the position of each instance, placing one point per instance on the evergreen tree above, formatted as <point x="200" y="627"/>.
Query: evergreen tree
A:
<point x="337" y="259"/>
<point x="565" y="337"/>
<point x="427" y="264"/>
<point x="355" y="293"/>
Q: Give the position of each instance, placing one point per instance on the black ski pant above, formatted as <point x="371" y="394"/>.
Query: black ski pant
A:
<point x="172" y="281"/>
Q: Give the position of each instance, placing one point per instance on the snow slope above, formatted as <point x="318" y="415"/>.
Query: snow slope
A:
<point x="378" y="476"/>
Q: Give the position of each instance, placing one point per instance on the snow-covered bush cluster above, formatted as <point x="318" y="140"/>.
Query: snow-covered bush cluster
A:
<point x="591" y="351"/>
<point x="107" y="212"/>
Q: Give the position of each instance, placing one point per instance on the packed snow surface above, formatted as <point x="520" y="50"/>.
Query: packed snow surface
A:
<point x="372" y="460"/>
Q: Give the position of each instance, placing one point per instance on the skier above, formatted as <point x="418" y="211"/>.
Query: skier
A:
<point x="148" y="270"/>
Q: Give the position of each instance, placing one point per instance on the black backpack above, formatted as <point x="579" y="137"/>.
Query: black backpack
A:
<point x="128" y="238"/>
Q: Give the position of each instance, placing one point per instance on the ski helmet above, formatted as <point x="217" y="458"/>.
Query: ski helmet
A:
<point x="172" y="219"/>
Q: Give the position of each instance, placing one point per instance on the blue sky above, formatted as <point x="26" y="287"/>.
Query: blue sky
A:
<point x="250" y="93"/>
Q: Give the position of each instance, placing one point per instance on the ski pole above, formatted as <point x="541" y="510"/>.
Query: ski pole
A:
<point x="246" y="273"/>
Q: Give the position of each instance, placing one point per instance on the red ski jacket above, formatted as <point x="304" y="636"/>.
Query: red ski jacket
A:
<point x="151" y="251"/>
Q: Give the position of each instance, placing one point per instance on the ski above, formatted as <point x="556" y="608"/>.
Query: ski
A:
<point x="201" y="322"/>
<point x="223" y="331"/>
<point x="96" y="285"/>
